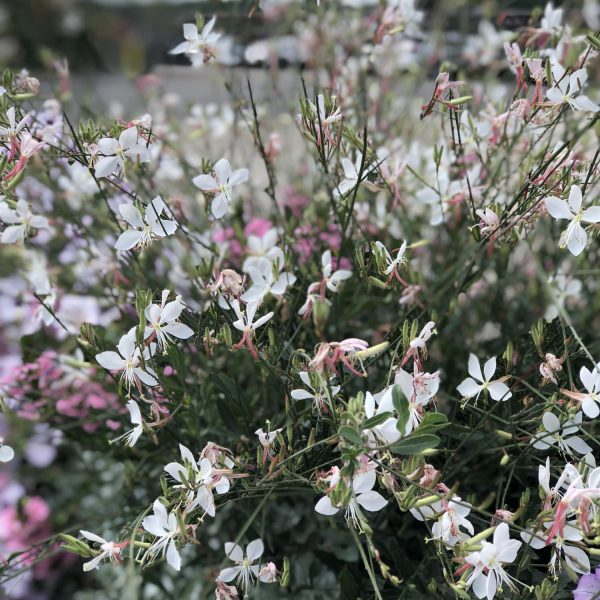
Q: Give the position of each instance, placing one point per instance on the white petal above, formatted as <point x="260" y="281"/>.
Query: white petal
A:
<point x="558" y="208"/>
<point x="474" y="368"/>
<point x="577" y="240"/>
<point x="468" y="388"/>
<point x="551" y="422"/>
<point x="324" y="507"/>
<point x="173" y="557"/>
<point x="106" y="166"/>
<point x="229" y="574"/>
<point x="128" y="239"/>
<point x="234" y="552"/>
<point x="134" y="412"/>
<point x="110" y="361"/>
<point x="578" y="445"/>
<point x="577" y="559"/>
<point x="363" y="482"/>
<point x="108" y="146"/>
<point x="575" y="198"/>
<point x="591" y="214"/>
<point x="489" y="368"/>
<point x="499" y="391"/>
<point x="132" y="215"/>
<point x="222" y="170"/>
<point x="255" y="550"/>
<point x="219" y="206"/>
<point x="179" y="330"/>
<point x="371" y="500"/>
<point x="205" y="182"/>
<point x="128" y="138"/>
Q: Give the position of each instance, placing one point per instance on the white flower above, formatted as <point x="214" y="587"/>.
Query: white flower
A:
<point x="392" y="264"/>
<point x="246" y="324"/>
<point x="489" y="574"/>
<point x="575" y="557"/>
<point x="418" y="390"/>
<point x="452" y="518"/>
<point x="563" y="287"/>
<point x="567" y="89"/>
<point x="490" y="222"/>
<point x="129" y="360"/>
<point x="199" y="479"/>
<point x="222" y="184"/>
<point x="439" y="197"/>
<point x="322" y="120"/>
<point x="266" y="279"/>
<point x="165" y="528"/>
<point x="332" y="279"/>
<point x="591" y="382"/>
<point x="6" y="453"/>
<point x="266" y="439"/>
<point x="245" y="570"/>
<point x="145" y="230"/>
<point x="321" y="394"/>
<point x="352" y="172"/>
<point x="133" y="435"/>
<point x="263" y="246"/>
<point x="115" y="152"/>
<point x="198" y="46"/>
<point x="552" y="19"/>
<point x="19" y="221"/>
<point x="13" y="129"/>
<point x="561" y="435"/>
<point x="162" y="321"/>
<point x="108" y="550"/>
<point x="574" y="237"/>
<point x="363" y="495"/>
<point x="474" y="385"/>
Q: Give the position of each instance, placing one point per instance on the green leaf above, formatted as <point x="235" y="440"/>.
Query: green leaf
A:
<point x="415" y="444"/>
<point x="433" y="422"/>
<point x="402" y="408"/>
<point x="376" y="420"/>
<point x="351" y="435"/>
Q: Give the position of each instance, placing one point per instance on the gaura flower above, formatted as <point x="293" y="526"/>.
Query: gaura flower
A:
<point x="222" y="184"/>
<point x="489" y="575"/>
<point x="198" y="46"/>
<point x="478" y="382"/>
<point x="574" y="237"/>
<point x="162" y="321"/>
<point x="19" y="222"/>
<point x="108" y="550"/>
<point x="563" y="435"/>
<point x="115" y="151"/>
<point x="129" y="361"/>
<point x="144" y="231"/>
<point x="164" y="526"/>
<point x="246" y="568"/>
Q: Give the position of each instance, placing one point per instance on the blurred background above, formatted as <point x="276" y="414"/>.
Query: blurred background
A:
<point x="133" y="36"/>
